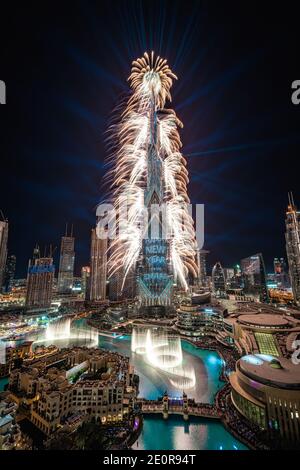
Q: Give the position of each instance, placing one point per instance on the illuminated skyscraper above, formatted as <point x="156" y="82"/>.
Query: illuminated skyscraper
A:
<point x="155" y="281"/>
<point x="66" y="264"/>
<point x="85" y="280"/>
<point x="40" y="282"/>
<point x="149" y="174"/>
<point x="254" y="277"/>
<point x="201" y="262"/>
<point x="3" y="249"/>
<point x="98" y="263"/>
<point x="292" y="237"/>
<point x="10" y="269"/>
<point x="218" y="279"/>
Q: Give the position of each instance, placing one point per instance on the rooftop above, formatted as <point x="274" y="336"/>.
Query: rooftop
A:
<point x="264" y="319"/>
<point x="276" y="371"/>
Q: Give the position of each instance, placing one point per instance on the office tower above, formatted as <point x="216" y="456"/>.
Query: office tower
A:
<point x="85" y="280"/>
<point x="66" y="264"/>
<point x="3" y="248"/>
<point x="10" y="269"/>
<point x="281" y="276"/>
<point x="292" y="237"/>
<point x="98" y="267"/>
<point x="149" y="171"/>
<point x="218" y="279"/>
<point x="40" y="282"/>
<point x="254" y="277"/>
<point x="117" y="290"/>
<point x="201" y="263"/>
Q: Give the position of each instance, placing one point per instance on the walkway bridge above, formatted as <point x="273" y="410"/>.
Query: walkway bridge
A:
<point x="179" y="406"/>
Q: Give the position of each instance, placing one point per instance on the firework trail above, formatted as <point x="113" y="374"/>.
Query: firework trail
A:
<point x="150" y="80"/>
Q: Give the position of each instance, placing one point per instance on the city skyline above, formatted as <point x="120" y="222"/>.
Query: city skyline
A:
<point x="236" y="126"/>
<point x="149" y="231"/>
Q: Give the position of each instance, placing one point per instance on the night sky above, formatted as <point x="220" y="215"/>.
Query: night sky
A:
<point x="65" y="68"/>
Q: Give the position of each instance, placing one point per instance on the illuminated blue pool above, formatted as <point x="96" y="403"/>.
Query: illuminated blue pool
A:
<point x="175" y="433"/>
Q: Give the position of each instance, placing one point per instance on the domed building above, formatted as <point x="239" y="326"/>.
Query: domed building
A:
<point x="266" y="390"/>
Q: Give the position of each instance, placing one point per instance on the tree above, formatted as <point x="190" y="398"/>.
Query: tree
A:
<point x="90" y="436"/>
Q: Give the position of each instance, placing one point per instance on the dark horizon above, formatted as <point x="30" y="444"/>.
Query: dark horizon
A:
<point x="65" y="73"/>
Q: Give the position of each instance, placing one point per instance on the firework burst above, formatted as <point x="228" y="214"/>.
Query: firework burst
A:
<point x="150" y="80"/>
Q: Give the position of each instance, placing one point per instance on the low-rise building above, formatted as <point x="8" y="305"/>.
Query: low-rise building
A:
<point x="92" y="382"/>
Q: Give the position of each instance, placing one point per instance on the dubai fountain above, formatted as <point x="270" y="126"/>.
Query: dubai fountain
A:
<point x="162" y="349"/>
<point x="61" y="330"/>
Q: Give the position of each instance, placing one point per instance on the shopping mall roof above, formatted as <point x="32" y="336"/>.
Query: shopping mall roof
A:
<point x="264" y="320"/>
<point x="274" y="371"/>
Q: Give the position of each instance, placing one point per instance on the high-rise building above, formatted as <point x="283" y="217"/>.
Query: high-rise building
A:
<point x="85" y="280"/>
<point x="117" y="290"/>
<point x="201" y="262"/>
<point x="40" y="282"/>
<point x="98" y="265"/>
<point x="10" y="269"/>
<point x="292" y="237"/>
<point x="281" y="277"/>
<point x="254" y="277"/>
<point x="150" y="174"/>
<point x="3" y="249"/>
<point x="218" y="279"/>
<point x="66" y="264"/>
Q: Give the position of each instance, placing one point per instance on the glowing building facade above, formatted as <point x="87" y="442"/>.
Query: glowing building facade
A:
<point x="254" y="277"/>
<point x="98" y="267"/>
<point x="66" y="265"/>
<point x="155" y="280"/>
<point x="149" y="175"/>
<point x="292" y="237"/>
<point x="39" y="283"/>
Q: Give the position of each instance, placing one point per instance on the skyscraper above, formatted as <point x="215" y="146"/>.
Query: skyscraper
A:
<point x="10" y="269"/>
<point x="85" y="280"/>
<point x="66" y="264"/>
<point x="280" y="272"/>
<point x="254" y="277"/>
<point x="3" y="249"/>
<point x="218" y="279"/>
<point x="40" y="282"/>
<point x="98" y="267"/>
<point x="292" y="237"/>
<point x="201" y="262"/>
<point x="150" y="174"/>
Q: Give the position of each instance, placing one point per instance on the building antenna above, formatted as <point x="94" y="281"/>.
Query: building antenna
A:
<point x="66" y="229"/>
<point x="72" y="230"/>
